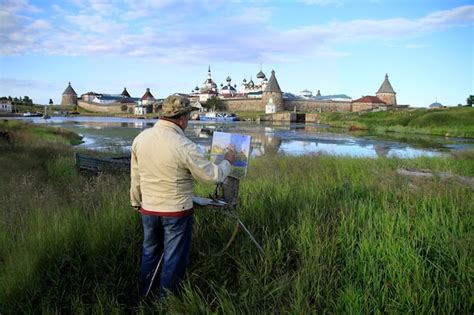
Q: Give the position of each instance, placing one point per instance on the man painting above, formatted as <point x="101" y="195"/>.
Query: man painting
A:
<point x="163" y="164"/>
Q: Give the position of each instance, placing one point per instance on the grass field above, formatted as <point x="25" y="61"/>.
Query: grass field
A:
<point x="340" y="235"/>
<point x="457" y="121"/>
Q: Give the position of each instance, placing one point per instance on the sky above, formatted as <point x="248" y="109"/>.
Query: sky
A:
<point x="336" y="46"/>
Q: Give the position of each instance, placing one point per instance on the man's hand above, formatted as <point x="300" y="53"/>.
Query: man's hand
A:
<point x="230" y="154"/>
<point x="137" y="208"/>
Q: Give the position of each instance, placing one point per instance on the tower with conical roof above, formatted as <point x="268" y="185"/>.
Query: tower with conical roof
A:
<point x="386" y="92"/>
<point x="148" y="98"/>
<point x="125" y="93"/>
<point x="272" y="90"/>
<point x="69" y="96"/>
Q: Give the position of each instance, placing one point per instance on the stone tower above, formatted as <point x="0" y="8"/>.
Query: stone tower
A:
<point x="386" y="92"/>
<point x="125" y="93"/>
<point x="272" y="90"/>
<point x="148" y="98"/>
<point x="69" y="96"/>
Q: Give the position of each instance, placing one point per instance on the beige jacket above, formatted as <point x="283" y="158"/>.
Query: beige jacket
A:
<point x="163" y="164"/>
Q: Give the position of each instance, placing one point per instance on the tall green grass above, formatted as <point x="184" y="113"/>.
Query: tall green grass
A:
<point x="340" y="235"/>
<point x="21" y="133"/>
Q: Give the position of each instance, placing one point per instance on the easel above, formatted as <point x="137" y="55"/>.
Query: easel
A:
<point x="228" y="192"/>
<point x="224" y="201"/>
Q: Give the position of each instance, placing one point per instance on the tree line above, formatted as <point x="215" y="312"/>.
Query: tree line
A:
<point x="25" y="100"/>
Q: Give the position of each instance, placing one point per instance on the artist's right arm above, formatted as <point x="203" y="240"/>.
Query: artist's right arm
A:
<point x="203" y="169"/>
<point x="135" y="193"/>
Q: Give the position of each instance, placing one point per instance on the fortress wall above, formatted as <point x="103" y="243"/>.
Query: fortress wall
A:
<point x="357" y="107"/>
<point x="315" y="106"/>
<point x="109" y="108"/>
<point x="244" y="105"/>
<point x="312" y="117"/>
<point x="248" y="104"/>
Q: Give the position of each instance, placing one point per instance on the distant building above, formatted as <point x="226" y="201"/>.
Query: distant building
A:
<point x="333" y="97"/>
<point x="148" y="98"/>
<point x="5" y="105"/>
<point x="110" y="103"/>
<point x="140" y="109"/>
<point x="89" y="96"/>
<point x="436" y="105"/>
<point x="251" y="96"/>
<point x="69" y="96"/>
<point x="272" y="90"/>
<point x="254" y="90"/>
<point x="199" y="106"/>
<point x="104" y="99"/>
<point x="207" y="90"/>
<point x="367" y="103"/>
<point x="125" y="93"/>
<point x="228" y="90"/>
<point x="386" y="92"/>
<point x="306" y="94"/>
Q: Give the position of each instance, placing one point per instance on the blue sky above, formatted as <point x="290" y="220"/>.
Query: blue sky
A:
<point x="336" y="46"/>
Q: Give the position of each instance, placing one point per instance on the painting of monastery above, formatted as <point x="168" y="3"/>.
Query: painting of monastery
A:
<point x="221" y="140"/>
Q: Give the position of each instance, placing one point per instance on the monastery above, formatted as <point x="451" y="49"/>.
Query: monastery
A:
<point x="255" y="96"/>
<point x="263" y="95"/>
<point x="111" y="103"/>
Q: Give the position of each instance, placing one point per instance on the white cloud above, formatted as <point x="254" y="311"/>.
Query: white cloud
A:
<point x="185" y="36"/>
<point x="102" y="6"/>
<point x="95" y="24"/>
<point x="389" y="29"/>
<point x="19" y="5"/>
<point x="8" y="23"/>
<point x="40" y="25"/>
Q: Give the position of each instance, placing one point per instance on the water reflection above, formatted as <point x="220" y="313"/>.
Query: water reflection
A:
<point x="117" y="134"/>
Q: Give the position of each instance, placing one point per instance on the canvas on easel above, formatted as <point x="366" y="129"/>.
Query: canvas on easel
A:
<point x="221" y="140"/>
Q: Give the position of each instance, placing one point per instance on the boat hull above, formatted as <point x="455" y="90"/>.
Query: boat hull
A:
<point x="28" y="114"/>
<point x="204" y="118"/>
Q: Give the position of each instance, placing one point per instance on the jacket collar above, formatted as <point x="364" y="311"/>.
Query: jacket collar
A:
<point x="169" y="124"/>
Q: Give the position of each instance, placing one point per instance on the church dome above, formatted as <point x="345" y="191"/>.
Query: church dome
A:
<point x="260" y="75"/>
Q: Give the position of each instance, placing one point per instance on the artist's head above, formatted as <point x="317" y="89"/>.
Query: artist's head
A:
<point x="178" y="110"/>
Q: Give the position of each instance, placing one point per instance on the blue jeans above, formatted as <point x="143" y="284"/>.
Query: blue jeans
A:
<point x="172" y="237"/>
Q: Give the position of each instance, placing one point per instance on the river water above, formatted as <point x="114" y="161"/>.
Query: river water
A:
<point x="116" y="135"/>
